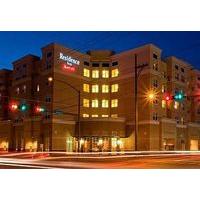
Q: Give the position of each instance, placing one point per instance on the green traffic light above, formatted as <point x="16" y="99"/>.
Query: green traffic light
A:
<point x="179" y="96"/>
<point x="23" y="107"/>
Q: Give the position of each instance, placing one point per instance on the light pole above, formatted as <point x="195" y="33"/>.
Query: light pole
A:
<point x="50" y="79"/>
<point x="138" y="70"/>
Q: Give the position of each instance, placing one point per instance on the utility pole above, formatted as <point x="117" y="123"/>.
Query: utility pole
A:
<point x="136" y="104"/>
<point x="79" y="123"/>
<point x="137" y="74"/>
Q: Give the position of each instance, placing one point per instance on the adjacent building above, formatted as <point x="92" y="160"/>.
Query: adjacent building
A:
<point x="39" y="101"/>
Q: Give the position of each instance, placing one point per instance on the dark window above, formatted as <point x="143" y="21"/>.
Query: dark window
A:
<point x="24" y="66"/>
<point x="105" y="65"/>
<point x="47" y="116"/>
<point x="95" y="64"/>
<point x="86" y="63"/>
<point x="49" y="54"/>
<point x="115" y="63"/>
<point x="48" y="65"/>
<point x="176" y="67"/>
<point x="48" y="99"/>
<point x="182" y="70"/>
<point x="198" y="78"/>
<point x="155" y="56"/>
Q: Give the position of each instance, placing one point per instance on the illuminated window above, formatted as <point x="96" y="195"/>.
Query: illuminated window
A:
<point x="114" y="115"/>
<point x="17" y="90"/>
<point x="85" y="115"/>
<point x="86" y="72"/>
<point x="163" y="88"/>
<point x="163" y="103"/>
<point x="114" y="103"/>
<point x="176" y="105"/>
<point x="94" y="115"/>
<point x="86" y="103"/>
<point x="95" y="103"/>
<point x="115" y="72"/>
<point x="24" y="88"/>
<point x="104" y="103"/>
<point x="86" y="87"/>
<point x="105" y="74"/>
<point x="38" y="88"/>
<point x="105" y="88"/>
<point x="114" y="88"/>
<point x="95" y="88"/>
<point x="95" y="73"/>
<point x="104" y="115"/>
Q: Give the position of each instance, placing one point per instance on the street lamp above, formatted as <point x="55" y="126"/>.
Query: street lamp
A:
<point x="138" y="70"/>
<point x="50" y="79"/>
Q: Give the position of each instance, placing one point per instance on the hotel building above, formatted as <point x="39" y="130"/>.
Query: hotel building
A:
<point x="107" y="113"/>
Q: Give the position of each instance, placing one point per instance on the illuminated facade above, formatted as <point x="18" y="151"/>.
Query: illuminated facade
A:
<point x="39" y="106"/>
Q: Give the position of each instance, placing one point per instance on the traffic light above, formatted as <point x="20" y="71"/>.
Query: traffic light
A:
<point x="167" y="97"/>
<point x="39" y="109"/>
<point x="23" y="107"/>
<point x="179" y="96"/>
<point x="13" y="106"/>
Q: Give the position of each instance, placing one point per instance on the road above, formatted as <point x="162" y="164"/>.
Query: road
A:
<point x="100" y="161"/>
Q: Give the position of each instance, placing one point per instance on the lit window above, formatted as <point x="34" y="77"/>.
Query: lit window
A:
<point x="86" y="72"/>
<point x="94" y="115"/>
<point x="104" y="103"/>
<point x="17" y="90"/>
<point x="24" y="88"/>
<point x="163" y="88"/>
<point x="115" y="72"/>
<point x="105" y="88"/>
<point x="105" y="74"/>
<point x="86" y="103"/>
<point x="176" y="105"/>
<point x="163" y="103"/>
<point x="155" y="83"/>
<point x="95" y="88"/>
<point x="104" y="115"/>
<point x="85" y="115"/>
<point x="155" y="116"/>
<point x="86" y="87"/>
<point x="115" y="88"/>
<point x="95" y="74"/>
<point x="95" y="103"/>
<point x="114" y="115"/>
<point x="38" y="88"/>
<point x="114" y="103"/>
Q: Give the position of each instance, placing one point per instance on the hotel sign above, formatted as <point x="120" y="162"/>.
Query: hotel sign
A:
<point x="70" y="61"/>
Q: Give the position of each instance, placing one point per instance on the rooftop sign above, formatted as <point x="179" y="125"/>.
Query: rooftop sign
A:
<point x="70" y="61"/>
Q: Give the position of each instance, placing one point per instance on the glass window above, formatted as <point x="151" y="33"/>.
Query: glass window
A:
<point x="86" y="63"/>
<point x="48" y="99"/>
<point x="95" y="64"/>
<point x="115" y="63"/>
<point x="95" y="103"/>
<point x="38" y="88"/>
<point x="105" y="73"/>
<point x="17" y="90"/>
<point x="95" y="73"/>
<point x="85" y="115"/>
<point x="163" y="104"/>
<point x="114" y="103"/>
<point x="86" y="87"/>
<point x="86" y="72"/>
<point x="24" y="88"/>
<point x="95" y="115"/>
<point x="105" y="65"/>
<point x="176" y="105"/>
<point x="104" y="115"/>
<point x="105" y="88"/>
<point x="95" y="88"/>
<point x="114" y="115"/>
<point x="115" y="72"/>
<point x="86" y="103"/>
<point x="114" y="88"/>
<point x="105" y="103"/>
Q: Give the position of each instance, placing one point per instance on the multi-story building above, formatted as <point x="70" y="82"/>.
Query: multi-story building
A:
<point x="42" y="101"/>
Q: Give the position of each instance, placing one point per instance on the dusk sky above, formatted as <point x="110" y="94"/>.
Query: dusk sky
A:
<point x="185" y="45"/>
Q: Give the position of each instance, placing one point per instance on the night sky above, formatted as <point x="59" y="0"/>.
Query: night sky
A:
<point x="185" y="45"/>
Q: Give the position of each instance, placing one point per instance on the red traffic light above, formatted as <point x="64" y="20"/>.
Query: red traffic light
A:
<point x="39" y="109"/>
<point x="167" y="97"/>
<point x="13" y="106"/>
